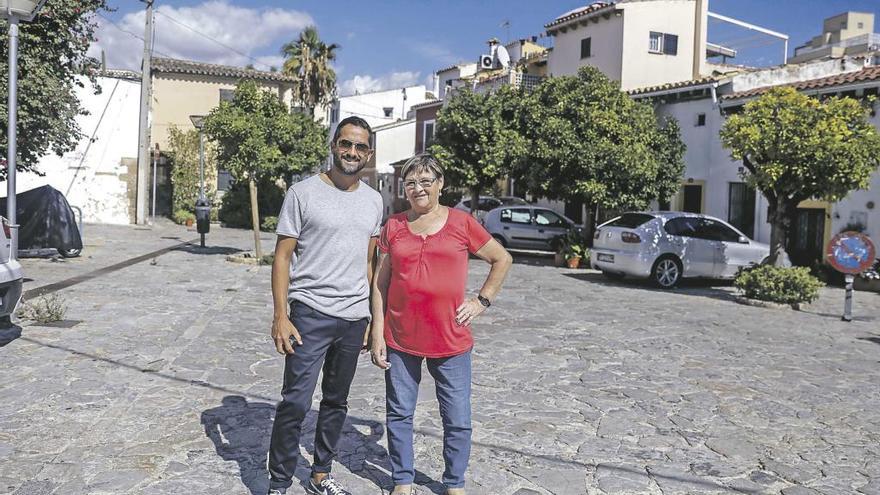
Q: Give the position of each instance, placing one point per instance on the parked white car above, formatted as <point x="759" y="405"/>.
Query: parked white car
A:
<point x="10" y="274"/>
<point x="668" y="246"/>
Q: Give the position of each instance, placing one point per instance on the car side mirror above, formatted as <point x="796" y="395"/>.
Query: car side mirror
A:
<point x="743" y="239"/>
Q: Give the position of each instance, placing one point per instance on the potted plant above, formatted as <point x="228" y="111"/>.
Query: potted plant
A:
<point x="573" y="249"/>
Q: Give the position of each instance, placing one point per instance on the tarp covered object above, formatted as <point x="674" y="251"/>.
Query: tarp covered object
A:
<point x="46" y="220"/>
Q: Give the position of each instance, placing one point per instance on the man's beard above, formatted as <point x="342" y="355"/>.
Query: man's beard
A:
<point x="346" y="168"/>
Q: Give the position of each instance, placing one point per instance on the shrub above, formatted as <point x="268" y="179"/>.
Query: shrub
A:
<point x="181" y="216"/>
<point x="779" y="285"/>
<point x="269" y="224"/>
<point x="235" y="207"/>
<point x="184" y="154"/>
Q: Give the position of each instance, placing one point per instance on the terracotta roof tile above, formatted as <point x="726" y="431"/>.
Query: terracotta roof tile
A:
<point x="864" y="75"/>
<point x="594" y="7"/>
<point x="675" y="85"/>
<point x="177" y="66"/>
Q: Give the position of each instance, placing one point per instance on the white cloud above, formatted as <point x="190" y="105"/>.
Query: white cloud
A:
<point x="367" y="83"/>
<point x="244" y="31"/>
<point x="439" y="54"/>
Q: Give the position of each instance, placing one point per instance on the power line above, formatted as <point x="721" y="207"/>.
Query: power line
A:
<point x="233" y="50"/>
<point x="117" y="26"/>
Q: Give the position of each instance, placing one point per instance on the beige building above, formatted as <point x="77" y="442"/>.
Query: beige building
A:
<point x="847" y="34"/>
<point x="182" y="88"/>
<point x="638" y="43"/>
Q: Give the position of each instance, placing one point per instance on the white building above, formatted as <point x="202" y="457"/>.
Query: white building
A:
<point x="99" y="175"/>
<point x="378" y="107"/>
<point x="638" y="43"/>
<point x="712" y="182"/>
<point x="394" y="144"/>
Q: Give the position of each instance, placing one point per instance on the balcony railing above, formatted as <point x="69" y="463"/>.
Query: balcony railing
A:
<point x="514" y="78"/>
<point x="872" y="41"/>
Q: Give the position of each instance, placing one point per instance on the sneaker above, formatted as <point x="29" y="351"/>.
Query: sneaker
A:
<point x="275" y="492"/>
<point x="328" y="486"/>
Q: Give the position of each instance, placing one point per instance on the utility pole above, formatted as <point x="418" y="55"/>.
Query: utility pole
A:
<point x="143" y="163"/>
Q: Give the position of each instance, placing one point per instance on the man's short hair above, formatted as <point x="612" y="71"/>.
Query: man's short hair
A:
<point x="423" y="162"/>
<point x="355" y="121"/>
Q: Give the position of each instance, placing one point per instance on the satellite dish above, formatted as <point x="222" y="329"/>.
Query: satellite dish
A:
<point x="502" y="57"/>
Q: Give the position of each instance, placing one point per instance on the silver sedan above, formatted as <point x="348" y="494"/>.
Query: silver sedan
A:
<point x="527" y="227"/>
<point x="668" y="246"/>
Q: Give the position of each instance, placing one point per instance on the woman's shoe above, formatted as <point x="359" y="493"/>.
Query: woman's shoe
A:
<point x="455" y="491"/>
<point x="403" y="490"/>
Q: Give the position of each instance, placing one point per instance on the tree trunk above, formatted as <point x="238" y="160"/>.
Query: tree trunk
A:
<point x="475" y="200"/>
<point x="780" y="220"/>
<point x="255" y="218"/>
<point x="590" y="222"/>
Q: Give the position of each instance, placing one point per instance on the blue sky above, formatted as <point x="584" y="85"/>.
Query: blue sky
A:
<point x="390" y="43"/>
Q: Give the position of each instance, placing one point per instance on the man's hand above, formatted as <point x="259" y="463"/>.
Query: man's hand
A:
<point x="282" y="331"/>
<point x="468" y="310"/>
<point x="366" y="347"/>
<point x="379" y="353"/>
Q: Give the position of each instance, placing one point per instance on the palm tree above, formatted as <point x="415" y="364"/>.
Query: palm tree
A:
<point x="308" y="58"/>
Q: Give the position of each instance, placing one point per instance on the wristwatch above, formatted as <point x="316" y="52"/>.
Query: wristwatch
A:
<point x="485" y="302"/>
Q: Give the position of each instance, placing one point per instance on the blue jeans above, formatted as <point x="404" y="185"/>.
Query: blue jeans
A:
<point x="453" y="378"/>
<point x="336" y="344"/>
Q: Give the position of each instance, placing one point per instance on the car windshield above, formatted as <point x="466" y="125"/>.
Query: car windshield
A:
<point x="630" y="220"/>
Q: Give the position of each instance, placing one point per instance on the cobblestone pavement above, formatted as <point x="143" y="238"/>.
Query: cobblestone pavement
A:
<point x="168" y="383"/>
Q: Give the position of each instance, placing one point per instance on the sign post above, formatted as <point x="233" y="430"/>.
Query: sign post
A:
<point x="850" y="253"/>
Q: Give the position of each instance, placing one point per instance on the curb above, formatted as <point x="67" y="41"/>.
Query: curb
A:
<point x="767" y="304"/>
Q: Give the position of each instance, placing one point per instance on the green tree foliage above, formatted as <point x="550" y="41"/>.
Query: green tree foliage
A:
<point x="52" y="52"/>
<point x="591" y="142"/>
<point x="478" y="140"/>
<point x="308" y="58"/>
<point x="184" y="154"/>
<point x="794" y="147"/>
<point x="235" y="205"/>
<point x="258" y="136"/>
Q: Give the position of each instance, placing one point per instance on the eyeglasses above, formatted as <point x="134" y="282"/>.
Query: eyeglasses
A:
<point x="424" y="183"/>
<point x="360" y="148"/>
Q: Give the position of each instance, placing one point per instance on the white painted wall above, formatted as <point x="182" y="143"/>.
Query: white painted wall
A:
<point x="453" y="75"/>
<point x="369" y="106"/>
<point x="394" y="142"/>
<point x="606" y="48"/>
<point x="92" y="176"/>
<point x="641" y="68"/>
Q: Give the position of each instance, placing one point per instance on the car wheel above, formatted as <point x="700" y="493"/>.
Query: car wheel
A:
<point x="69" y="253"/>
<point x="500" y="240"/>
<point x="666" y="272"/>
<point x="613" y="275"/>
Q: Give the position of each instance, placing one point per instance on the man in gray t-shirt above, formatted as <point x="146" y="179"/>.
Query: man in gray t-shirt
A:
<point x="327" y="231"/>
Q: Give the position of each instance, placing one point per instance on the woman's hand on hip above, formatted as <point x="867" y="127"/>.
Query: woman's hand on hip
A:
<point x="283" y="333"/>
<point x="468" y="310"/>
<point x="379" y="353"/>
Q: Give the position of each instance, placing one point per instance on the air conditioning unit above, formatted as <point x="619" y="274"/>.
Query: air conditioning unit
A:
<point x="486" y="62"/>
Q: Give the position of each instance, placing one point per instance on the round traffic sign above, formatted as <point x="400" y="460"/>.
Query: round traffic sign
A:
<point x="851" y="252"/>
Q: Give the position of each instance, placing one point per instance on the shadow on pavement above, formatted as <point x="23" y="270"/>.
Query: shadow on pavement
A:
<point x="875" y="340"/>
<point x="8" y="334"/>
<point x="240" y="431"/>
<point x="687" y="287"/>
<point x="208" y="250"/>
<point x="532" y="258"/>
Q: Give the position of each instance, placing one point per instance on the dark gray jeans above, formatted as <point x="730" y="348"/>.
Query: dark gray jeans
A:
<point x="337" y="344"/>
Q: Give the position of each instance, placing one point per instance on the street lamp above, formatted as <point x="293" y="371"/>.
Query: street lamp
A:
<point x="14" y="11"/>
<point x="203" y="208"/>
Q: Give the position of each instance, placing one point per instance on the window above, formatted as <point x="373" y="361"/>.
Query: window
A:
<point x="428" y="135"/>
<point x="716" y="231"/>
<point x="663" y="43"/>
<point x="516" y="215"/>
<point x="630" y="220"/>
<point x="701" y="120"/>
<point x="334" y="115"/>
<point x="741" y="208"/>
<point x="693" y="198"/>
<point x="400" y="188"/>
<point x="547" y="218"/>
<point x="585" y="47"/>
<point x="682" y="226"/>
<point x="656" y="43"/>
<point x="861" y="25"/>
<point x="227" y="94"/>
<point x="388" y="111"/>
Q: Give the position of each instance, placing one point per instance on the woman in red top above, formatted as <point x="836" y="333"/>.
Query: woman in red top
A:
<point x="420" y="313"/>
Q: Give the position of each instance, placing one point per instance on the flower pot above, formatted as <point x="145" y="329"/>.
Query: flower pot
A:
<point x="559" y="259"/>
<point x="574" y="261"/>
<point x="189" y="222"/>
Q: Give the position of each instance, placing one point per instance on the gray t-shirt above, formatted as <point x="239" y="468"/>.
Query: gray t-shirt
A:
<point x="328" y="270"/>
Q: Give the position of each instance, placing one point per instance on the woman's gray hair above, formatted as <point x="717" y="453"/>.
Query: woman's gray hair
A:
<point x="423" y="162"/>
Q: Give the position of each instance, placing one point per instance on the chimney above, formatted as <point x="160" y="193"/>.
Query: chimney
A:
<point x="701" y="32"/>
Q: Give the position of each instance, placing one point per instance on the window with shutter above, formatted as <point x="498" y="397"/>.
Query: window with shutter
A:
<point x="586" y="47"/>
<point x="656" y="43"/>
<point x="670" y="44"/>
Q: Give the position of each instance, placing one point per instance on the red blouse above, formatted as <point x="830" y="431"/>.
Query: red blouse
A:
<point x="428" y="278"/>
